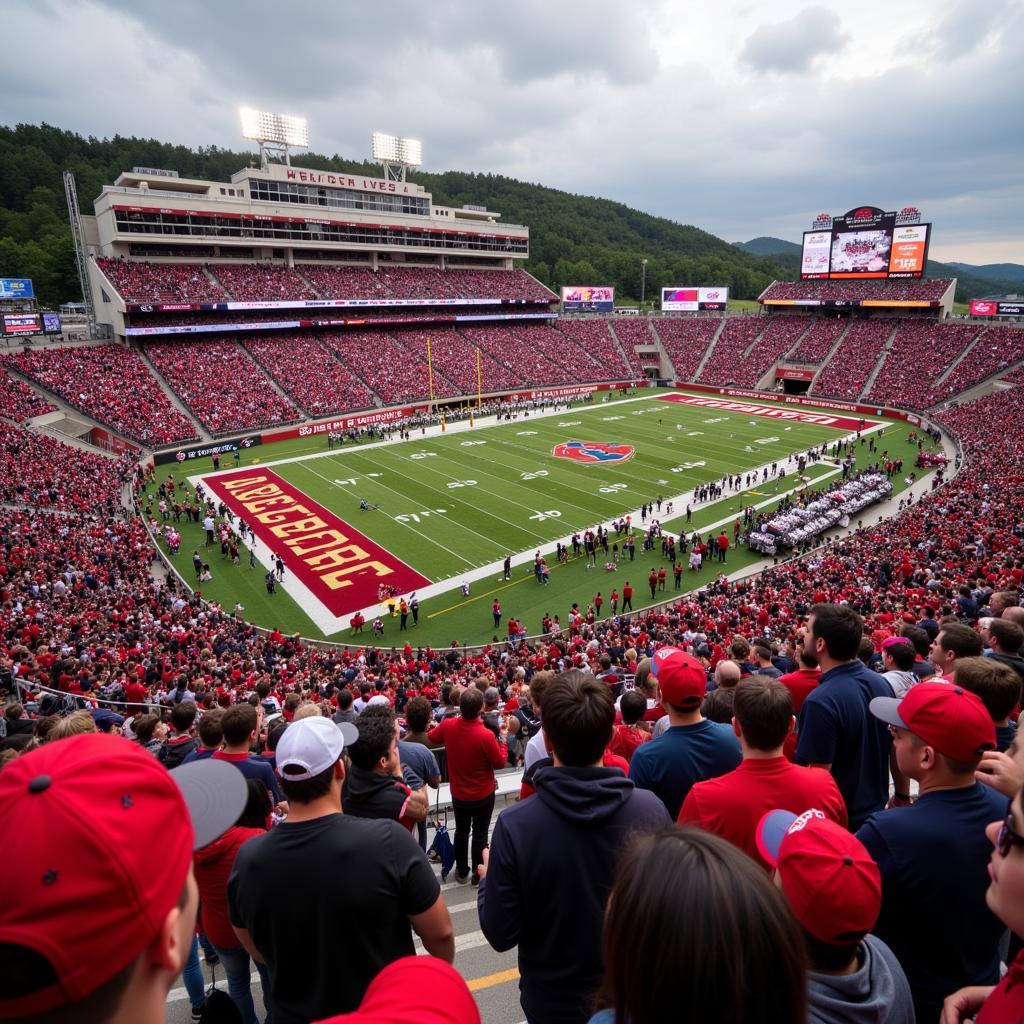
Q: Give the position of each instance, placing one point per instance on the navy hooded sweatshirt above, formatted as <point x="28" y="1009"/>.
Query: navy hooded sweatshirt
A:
<point x="551" y="864"/>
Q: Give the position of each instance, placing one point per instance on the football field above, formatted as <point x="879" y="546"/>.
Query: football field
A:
<point x="445" y="509"/>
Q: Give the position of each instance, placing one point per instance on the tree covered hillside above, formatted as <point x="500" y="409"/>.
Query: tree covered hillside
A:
<point x="573" y="239"/>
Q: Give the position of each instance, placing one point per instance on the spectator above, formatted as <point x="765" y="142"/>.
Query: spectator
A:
<point x="988" y="1004"/>
<point x="732" y="804"/>
<point x="374" y="787"/>
<point x="672" y="954"/>
<point x="898" y="657"/>
<point x="692" y="748"/>
<point x="213" y="865"/>
<point x="240" y="725"/>
<point x="954" y="640"/>
<point x="805" y="678"/>
<point x="211" y="736"/>
<point x="563" y="846"/>
<point x="629" y="735"/>
<point x="933" y="854"/>
<point x="836" y="731"/>
<point x="835" y="890"/>
<point x="179" y="743"/>
<point x="998" y="688"/>
<point x="473" y="754"/>
<point x="1006" y="639"/>
<point x="315" y="967"/>
<point x="130" y="918"/>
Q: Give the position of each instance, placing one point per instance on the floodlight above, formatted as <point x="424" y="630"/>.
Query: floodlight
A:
<point x="396" y="153"/>
<point x="278" y="129"/>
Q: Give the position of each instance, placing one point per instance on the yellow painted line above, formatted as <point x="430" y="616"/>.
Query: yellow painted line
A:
<point x="489" y="980"/>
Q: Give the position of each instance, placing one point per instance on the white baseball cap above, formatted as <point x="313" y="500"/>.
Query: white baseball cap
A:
<point x="311" y="746"/>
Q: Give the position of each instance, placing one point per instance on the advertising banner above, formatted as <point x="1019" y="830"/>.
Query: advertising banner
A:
<point x="790" y="373"/>
<point x="199" y="451"/>
<point x="588" y="299"/>
<point x="693" y="300"/>
<point x="909" y="245"/>
<point x="815" y="255"/>
<point x="16" y="288"/>
<point x="22" y="323"/>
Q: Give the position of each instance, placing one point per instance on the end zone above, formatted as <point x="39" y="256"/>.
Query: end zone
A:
<point x="846" y="423"/>
<point x="339" y="566"/>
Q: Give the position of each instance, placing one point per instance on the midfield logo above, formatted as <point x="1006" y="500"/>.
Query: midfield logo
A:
<point x="593" y="453"/>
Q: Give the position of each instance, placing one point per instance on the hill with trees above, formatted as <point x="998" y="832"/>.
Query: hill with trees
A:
<point x="573" y="239"/>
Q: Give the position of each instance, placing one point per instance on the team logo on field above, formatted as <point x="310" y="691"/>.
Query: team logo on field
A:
<point x="593" y="453"/>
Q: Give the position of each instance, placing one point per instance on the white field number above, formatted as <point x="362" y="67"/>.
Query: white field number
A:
<point x="418" y="517"/>
<point x="766" y="440"/>
<point x="687" y="465"/>
<point x="718" y="419"/>
<point x="453" y="484"/>
<point x="350" y="482"/>
<point x="526" y="433"/>
<point x="608" y="419"/>
<point x="550" y="514"/>
<point x="423" y="455"/>
<point x="613" y="488"/>
<point x="570" y="423"/>
<point x="534" y="475"/>
<point x="469" y="444"/>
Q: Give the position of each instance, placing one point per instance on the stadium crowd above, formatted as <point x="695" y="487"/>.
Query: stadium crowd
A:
<point x="309" y="373"/>
<point x="632" y="331"/>
<point x="893" y="916"/>
<point x="112" y="385"/>
<point x="221" y="385"/>
<point x="854" y="291"/>
<point x="853" y="362"/>
<point x="597" y="355"/>
<point x="816" y="344"/>
<point x="140" y="282"/>
<point x="725" y="361"/>
<point x="19" y="401"/>
<point x="685" y="340"/>
<point x="261" y="282"/>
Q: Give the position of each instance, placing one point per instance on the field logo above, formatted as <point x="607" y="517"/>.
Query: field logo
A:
<point x="593" y="453"/>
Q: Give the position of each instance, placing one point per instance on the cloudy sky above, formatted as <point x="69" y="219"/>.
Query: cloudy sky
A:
<point x="743" y="118"/>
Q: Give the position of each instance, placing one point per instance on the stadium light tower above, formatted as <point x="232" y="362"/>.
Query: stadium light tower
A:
<point x="643" y="283"/>
<point x="277" y="134"/>
<point x="396" y="154"/>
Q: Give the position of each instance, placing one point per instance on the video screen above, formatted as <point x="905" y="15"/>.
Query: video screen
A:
<point x="21" y="323"/>
<point x="861" y="253"/>
<point x="51" y="323"/>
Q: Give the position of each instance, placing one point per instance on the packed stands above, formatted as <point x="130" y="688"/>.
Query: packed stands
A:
<point x="18" y="401"/>
<point x="388" y="366"/>
<point x="594" y="338"/>
<point x="853" y="291"/>
<point x="455" y="357"/>
<point x="632" y="331"/>
<point x="726" y="360"/>
<point x="112" y="385"/>
<point x="816" y="344"/>
<point x="307" y="371"/>
<point x="777" y="338"/>
<point x="221" y="385"/>
<point x="261" y="282"/>
<point x="920" y="354"/>
<point x="344" y="282"/>
<point x="138" y="281"/>
<point x="996" y="349"/>
<point x="846" y="373"/>
<point x="39" y="470"/>
<point x="686" y="339"/>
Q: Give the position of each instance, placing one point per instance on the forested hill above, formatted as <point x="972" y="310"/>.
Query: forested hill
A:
<point x="573" y="239"/>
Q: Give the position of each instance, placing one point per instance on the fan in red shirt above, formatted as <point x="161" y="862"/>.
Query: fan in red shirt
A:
<point x="628" y="735"/>
<point x="800" y="683"/>
<point x="732" y="805"/>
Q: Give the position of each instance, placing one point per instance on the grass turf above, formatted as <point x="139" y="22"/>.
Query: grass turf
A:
<point x="453" y="502"/>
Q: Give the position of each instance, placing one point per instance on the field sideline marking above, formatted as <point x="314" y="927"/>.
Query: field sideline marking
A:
<point x="709" y="526"/>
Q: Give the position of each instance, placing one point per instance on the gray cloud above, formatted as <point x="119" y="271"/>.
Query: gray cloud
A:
<point x="792" y="46"/>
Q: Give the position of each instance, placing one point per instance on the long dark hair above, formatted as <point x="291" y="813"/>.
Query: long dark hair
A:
<point x="695" y="931"/>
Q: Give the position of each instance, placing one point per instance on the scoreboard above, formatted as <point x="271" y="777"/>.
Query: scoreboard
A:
<point x="866" y="242"/>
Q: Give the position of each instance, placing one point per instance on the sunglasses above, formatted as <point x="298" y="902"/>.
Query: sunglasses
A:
<point x="1007" y="837"/>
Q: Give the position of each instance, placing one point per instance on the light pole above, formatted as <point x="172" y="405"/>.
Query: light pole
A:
<point x="643" y="283"/>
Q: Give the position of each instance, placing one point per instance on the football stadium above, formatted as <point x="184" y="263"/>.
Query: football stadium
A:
<point x="321" y="482"/>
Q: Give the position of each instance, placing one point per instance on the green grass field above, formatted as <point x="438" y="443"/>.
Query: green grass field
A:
<point x="451" y="503"/>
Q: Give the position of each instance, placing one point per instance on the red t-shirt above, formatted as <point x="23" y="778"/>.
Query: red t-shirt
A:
<point x="732" y="804"/>
<point x="1006" y="1004"/>
<point x="213" y="865"/>
<point x="473" y="755"/>
<point x="626" y="738"/>
<point x="800" y="683"/>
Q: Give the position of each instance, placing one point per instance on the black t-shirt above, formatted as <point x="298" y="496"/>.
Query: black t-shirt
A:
<point x="327" y="903"/>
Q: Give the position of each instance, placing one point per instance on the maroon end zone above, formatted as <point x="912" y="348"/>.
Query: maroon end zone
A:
<point x="340" y="566"/>
<point x="846" y="423"/>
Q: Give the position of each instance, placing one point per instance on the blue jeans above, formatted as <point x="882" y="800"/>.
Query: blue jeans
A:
<point x="192" y="976"/>
<point x="236" y="967"/>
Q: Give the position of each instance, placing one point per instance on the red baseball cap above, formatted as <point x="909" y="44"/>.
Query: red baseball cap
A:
<point x="414" y="990"/>
<point x="832" y="884"/>
<point x="105" y="836"/>
<point x="680" y="676"/>
<point x="949" y="718"/>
